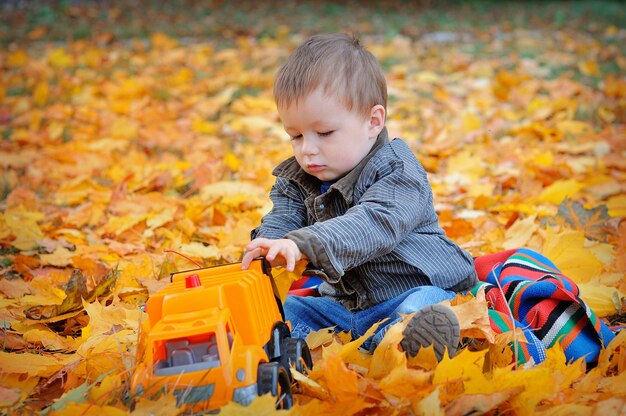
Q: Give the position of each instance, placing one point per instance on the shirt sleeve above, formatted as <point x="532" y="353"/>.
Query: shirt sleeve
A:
<point x="288" y="212"/>
<point x="398" y="202"/>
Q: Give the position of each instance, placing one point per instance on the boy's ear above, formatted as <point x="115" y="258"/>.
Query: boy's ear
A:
<point x="377" y="120"/>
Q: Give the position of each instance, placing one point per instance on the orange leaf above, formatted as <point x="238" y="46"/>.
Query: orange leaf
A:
<point x="474" y="317"/>
<point x="340" y="381"/>
<point x="480" y="403"/>
<point x="387" y="355"/>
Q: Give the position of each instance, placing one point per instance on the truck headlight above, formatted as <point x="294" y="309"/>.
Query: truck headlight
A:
<point x="245" y="395"/>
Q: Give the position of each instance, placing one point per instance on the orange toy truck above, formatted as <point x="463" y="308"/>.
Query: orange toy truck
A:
<point x="216" y="335"/>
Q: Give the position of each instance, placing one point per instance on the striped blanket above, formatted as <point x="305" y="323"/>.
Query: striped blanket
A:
<point x="527" y="291"/>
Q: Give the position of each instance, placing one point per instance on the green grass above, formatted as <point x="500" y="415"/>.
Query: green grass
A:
<point x="62" y="20"/>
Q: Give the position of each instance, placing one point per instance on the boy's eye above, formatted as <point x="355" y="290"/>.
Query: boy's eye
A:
<point x="297" y="136"/>
<point x="326" y="133"/>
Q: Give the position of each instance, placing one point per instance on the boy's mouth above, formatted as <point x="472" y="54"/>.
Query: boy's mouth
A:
<point x="314" y="167"/>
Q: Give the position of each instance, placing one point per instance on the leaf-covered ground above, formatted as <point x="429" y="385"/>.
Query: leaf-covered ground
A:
<point x="128" y="130"/>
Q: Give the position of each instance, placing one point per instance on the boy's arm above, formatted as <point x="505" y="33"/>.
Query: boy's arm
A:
<point x="396" y="204"/>
<point x="288" y="212"/>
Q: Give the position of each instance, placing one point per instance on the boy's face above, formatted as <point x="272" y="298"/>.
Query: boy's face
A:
<point x="329" y="140"/>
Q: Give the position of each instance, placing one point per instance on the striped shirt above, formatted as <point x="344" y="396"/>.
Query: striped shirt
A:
<point x="374" y="234"/>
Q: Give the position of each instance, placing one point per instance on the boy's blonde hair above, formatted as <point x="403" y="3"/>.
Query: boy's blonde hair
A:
<point x="338" y="64"/>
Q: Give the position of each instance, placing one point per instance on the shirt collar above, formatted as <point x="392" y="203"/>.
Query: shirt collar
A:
<point x="289" y="169"/>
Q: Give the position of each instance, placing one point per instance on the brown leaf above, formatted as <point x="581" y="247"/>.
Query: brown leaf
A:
<point x="76" y="290"/>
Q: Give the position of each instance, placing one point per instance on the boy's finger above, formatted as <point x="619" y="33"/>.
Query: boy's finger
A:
<point x="256" y="243"/>
<point x="271" y="253"/>
<point x="291" y="262"/>
<point x="245" y="262"/>
<point x="249" y="256"/>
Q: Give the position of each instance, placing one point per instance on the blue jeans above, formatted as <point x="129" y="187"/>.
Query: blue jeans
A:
<point x="313" y="313"/>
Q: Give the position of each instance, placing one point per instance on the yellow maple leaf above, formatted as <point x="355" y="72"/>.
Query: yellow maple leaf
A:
<point x="239" y="189"/>
<point x="165" y="405"/>
<point x="160" y="218"/>
<point x="467" y="366"/>
<point x="50" y="340"/>
<point x="559" y="190"/>
<point x="612" y="359"/>
<point x="387" y="356"/>
<point x="117" y="225"/>
<point x="108" y="352"/>
<point x="574" y="127"/>
<point x="41" y="93"/>
<point x="320" y="337"/>
<point x="23" y="224"/>
<point x="249" y="104"/>
<point x="161" y="41"/>
<point x="79" y="190"/>
<point x="202" y="126"/>
<point x="520" y="232"/>
<point x="404" y="382"/>
<point x="614" y="386"/>
<point x="232" y="161"/>
<point x="17" y="58"/>
<point x="589" y="68"/>
<point x="310" y="387"/>
<point x="106" y="392"/>
<point x="255" y="125"/>
<point x="102" y="318"/>
<point x="425" y="359"/>
<point x="430" y="405"/>
<point x="468" y="165"/>
<point x="567" y="251"/>
<point x="563" y="371"/>
<point x="350" y="351"/>
<point x="88" y="409"/>
<point x="284" y="278"/>
<point x="605" y="114"/>
<point x="46" y="294"/>
<point x="473" y="316"/>
<point x="617" y="206"/>
<point x="260" y="406"/>
<point x="59" y="58"/>
<point x="35" y="364"/>
<point x="60" y="257"/>
<point x="545" y="158"/>
<point x="199" y="250"/>
<point x="470" y="122"/>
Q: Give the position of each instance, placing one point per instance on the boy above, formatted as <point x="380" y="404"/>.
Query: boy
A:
<point x="357" y="206"/>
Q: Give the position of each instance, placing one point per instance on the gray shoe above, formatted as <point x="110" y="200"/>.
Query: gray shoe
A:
<point x="434" y="324"/>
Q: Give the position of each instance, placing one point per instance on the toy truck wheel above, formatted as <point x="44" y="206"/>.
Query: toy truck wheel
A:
<point x="296" y="353"/>
<point x="273" y="348"/>
<point x="273" y="378"/>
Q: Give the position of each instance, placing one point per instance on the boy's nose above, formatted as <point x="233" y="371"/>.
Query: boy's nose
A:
<point x="309" y="145"/>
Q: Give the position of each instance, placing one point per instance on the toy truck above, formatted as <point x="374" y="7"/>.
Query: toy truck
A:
<point x="216" y="335"/>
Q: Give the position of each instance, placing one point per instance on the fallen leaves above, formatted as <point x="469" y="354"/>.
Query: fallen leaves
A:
<point x="115" y="152"/>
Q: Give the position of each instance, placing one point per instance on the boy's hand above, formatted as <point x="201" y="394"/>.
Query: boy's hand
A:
<point x="277" y="252"/>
